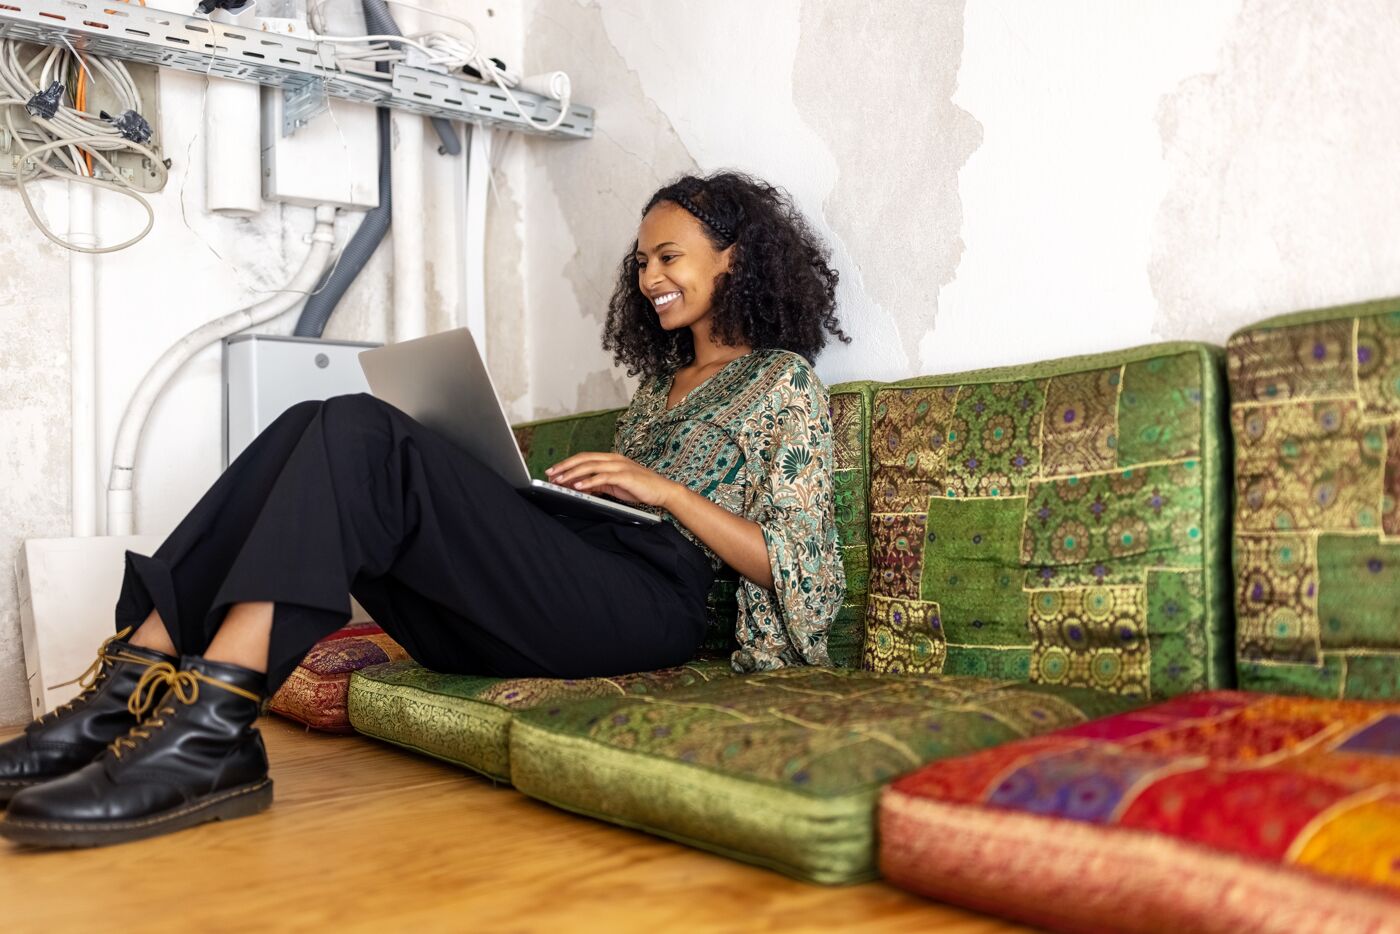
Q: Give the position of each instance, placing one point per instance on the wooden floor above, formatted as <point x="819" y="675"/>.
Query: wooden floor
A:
<point x="365" y="836"/>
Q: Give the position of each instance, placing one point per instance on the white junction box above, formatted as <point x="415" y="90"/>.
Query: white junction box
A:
<point x="266" y="374"/>
<point x="68" y="590"/>
<point x="334" y="159"/>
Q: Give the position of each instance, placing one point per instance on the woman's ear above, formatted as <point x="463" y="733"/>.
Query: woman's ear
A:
<point x="726" y="257"/>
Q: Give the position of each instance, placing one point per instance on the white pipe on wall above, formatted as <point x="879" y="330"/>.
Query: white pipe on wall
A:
<point x="120" y="516"/>
<point x="232" y="148"/>
<point x="406" y="226"/>
<point x="82" y="329"/>
<point x="474" y="264"/>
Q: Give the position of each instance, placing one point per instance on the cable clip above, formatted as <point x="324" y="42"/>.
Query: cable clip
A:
<point x="130" y="124"/>
<point x="235" y="7"/>
<point x="45" y="103"/>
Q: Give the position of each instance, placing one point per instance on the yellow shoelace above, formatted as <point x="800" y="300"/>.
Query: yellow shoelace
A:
<point x="183" y="684"/>
<point x="88" y="679"/>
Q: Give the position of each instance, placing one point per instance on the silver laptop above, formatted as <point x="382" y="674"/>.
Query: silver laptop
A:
<point x="441" y="381"/>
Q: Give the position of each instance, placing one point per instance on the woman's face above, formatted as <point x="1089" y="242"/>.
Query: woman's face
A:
<point x="677" y="265"/>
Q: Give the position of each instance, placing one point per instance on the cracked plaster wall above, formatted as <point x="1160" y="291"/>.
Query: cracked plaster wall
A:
<point x="998" y="182"/>
<point x="1282" y="186"/>
<point x="34" y="442"/>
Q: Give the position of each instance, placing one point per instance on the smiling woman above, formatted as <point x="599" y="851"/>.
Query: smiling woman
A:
<point x="722" y="304"/>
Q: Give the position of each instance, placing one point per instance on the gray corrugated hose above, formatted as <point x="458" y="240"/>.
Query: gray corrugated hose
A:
<point x="381" y="23"/>
<point x="317" y="310"/>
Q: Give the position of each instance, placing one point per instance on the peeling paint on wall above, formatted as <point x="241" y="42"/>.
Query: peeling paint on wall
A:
<point x="35" y="446"/>
<point x="506" y="328"/>
<point x="876" y="81"/>
<point x="598" y="188"/>
<point x="1283" y="183"/>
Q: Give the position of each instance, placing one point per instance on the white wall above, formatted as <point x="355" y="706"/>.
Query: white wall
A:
<point x="999" y="182"/>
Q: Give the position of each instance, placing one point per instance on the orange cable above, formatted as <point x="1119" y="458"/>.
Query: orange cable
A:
<point x="80" y="100"/>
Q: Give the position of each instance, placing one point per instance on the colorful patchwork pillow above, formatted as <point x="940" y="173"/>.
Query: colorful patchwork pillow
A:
<point x="780" y="768"/>
<point x="549" y="441"/>
<point x="1218" y="811"/>
<point x="850" y="425"/>
<point x="465" y="719"/>
<point x="1060" y="522"/>
<point x="314" y="693"/>
<point x="1315" y="408"/>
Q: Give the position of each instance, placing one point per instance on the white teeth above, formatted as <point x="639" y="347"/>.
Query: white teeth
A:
<point x="666" y="299"/>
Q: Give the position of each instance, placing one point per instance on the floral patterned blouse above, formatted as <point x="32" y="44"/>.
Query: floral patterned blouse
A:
<point x="755" y="438"/>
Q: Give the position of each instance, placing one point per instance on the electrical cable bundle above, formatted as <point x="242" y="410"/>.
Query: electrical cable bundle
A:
<point x="39" y="106"/>
<point x="443" y="50"/>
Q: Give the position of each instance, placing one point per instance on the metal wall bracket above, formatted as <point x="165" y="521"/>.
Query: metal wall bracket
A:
<point x="201" y="46"/>
<point x="301" y="103"/>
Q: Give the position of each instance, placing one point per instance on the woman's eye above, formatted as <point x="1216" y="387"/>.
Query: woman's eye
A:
<point x="667" y="258"/>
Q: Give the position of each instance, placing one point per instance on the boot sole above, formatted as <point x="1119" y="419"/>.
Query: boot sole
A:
<point x="229" y="804"/>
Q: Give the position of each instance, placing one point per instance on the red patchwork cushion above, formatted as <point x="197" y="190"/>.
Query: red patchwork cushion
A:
<point x="1218" y="811"/>
<point x="315" y="692"/>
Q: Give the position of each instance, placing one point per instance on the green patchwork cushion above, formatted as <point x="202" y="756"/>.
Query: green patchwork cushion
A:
<point x="547" y="442"/>
<point x="779" y="768"/>
<point x="465" y="719"/>
<point x="1060" y="522"/>
<point x="1315" y="408"/>
<point x="850" y="427"/>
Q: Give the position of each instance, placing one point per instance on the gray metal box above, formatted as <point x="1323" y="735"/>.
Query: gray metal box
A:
<point x="265" y="374"/>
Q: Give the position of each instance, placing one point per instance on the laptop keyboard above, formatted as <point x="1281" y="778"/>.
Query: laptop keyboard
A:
<point x="579" y="494"/>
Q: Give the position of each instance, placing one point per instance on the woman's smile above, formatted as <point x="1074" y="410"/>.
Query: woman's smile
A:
<point x="664" y="299"/>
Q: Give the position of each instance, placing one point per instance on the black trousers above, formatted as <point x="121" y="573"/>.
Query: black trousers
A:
<point x="352" y="496"/>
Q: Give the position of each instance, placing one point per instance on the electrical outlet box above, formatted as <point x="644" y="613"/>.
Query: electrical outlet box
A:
<point x="333" y="159"/>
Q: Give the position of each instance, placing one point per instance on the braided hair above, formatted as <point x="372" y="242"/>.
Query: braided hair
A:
<point x="779" y="292"/>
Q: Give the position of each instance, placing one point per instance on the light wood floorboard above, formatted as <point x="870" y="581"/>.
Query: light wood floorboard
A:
<point x="365" y="836"/>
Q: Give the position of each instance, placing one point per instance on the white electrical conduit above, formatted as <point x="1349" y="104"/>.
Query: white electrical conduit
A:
<point x="82" y="329"/>
<point x="232" y="154"/>
<point x="120" y="519"/>
<point x="406" y="226"/>
<point x="474" y="268"/>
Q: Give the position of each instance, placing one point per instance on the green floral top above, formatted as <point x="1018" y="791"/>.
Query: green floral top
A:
<point x="756" y="439"/>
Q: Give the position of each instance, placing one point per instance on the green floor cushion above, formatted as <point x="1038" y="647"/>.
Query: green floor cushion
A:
<point x="779" y="768"/>
<point x="1315" y="408"/>
<point x="1061" y="522"/>
<point x="465" y="719"/>
<point x="549" y="441"/>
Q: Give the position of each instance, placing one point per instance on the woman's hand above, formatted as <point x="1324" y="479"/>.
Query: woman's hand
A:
<point x="613" y="475"/>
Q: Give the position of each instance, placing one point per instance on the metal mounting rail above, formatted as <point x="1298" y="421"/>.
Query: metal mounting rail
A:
<point x="301" y="66"/>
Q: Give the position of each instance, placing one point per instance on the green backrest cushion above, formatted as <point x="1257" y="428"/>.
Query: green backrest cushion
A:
<point x="1315" y="409"/>
<point x="548" y="441"/>
<point x="1061" y="522"/>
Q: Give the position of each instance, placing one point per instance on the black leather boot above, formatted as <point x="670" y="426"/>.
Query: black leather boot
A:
<point x="70" y="736"/>
<point x="197" y="757"/>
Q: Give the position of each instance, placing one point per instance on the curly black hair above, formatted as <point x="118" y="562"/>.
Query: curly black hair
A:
<point x="779" y="291"/>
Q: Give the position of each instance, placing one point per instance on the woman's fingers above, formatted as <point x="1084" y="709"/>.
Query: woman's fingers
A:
<point x="600" y="473"/>
<point x="579" y="465"/>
